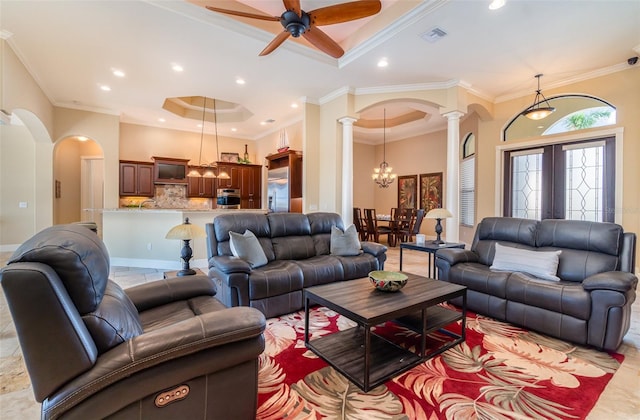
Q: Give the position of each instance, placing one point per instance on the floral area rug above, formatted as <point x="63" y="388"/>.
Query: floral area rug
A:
<point x="499" y="372"/>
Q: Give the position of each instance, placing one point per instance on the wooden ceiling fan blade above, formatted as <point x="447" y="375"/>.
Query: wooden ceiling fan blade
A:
<point x="275" y="43"/>
<point x="345" y="12"/>
<point x="244" y="14"/>
<point x="293" y="5"/>
<point x="323" y="42"/>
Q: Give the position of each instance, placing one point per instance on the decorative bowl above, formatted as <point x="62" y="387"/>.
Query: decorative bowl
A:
<point x="388" y="281"/>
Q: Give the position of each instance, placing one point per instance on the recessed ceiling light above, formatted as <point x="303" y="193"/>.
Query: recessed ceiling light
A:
<point x="294" y="105"/>
<point x="496" y="4"/>
<point x="234" y="129"/>
<point x="383" y="62"/>
<point x="161" y="119"/>
<point x="105" y="88"/>
<point x="117" y="72"/>
<point x="240" y="81"/>
<point x="176" y="67"/>
<point x="263" y="123"/>
<point x="540" y="127"/>
<point x="199" y="125"/>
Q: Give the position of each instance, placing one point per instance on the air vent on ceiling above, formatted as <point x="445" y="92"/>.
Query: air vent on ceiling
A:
<point x="433" y="35"/>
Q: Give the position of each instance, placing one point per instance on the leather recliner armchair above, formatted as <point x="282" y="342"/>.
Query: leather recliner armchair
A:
<point x="163" y="350"/>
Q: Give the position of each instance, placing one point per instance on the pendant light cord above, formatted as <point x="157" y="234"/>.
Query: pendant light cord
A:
<point x="215" y="124"/>
<point x="384" y="137"/>
<point x="204" y="107"/>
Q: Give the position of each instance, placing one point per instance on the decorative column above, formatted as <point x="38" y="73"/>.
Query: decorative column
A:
<point x="347" y="169"/>
<point x="452" y="188"/>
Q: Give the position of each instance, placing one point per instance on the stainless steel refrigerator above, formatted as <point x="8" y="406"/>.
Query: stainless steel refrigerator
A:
<point x="278" y="189"/>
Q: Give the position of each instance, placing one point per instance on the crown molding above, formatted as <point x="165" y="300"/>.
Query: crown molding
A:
<point x="423" y="9"/>
<point x="568" y="81"/>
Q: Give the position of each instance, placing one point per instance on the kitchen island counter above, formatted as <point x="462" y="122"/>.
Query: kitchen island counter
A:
<point x="136" y="237"/>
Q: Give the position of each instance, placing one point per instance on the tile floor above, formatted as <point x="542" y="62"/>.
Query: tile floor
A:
<point x="620" y="400"/>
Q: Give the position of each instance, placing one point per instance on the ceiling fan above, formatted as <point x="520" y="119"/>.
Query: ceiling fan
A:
<point x="297" y="22"/>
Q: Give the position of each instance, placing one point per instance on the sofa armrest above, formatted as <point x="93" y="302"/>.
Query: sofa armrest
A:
<point x="227" y="264"/>
<point x="619" y="281"/>
<point x="161" y="292"/>
<point x="454" y="256"/>
<point x="159" y="348"/>
<point x="373" y="248"/>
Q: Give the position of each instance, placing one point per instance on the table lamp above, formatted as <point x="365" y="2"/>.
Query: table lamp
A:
<point x="186" y="232"/>
<point x="438" y="214"/>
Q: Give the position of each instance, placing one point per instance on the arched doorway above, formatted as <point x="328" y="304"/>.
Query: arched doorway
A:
<point x="78" y="170"/>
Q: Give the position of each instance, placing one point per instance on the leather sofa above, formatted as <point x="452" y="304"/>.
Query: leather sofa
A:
<point x="297" y="247"/>
<point x="163" y="350"/>
<point x="589" y="305"/>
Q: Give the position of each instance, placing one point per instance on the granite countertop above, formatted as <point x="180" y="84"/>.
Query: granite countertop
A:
<point x="159" y="210"/>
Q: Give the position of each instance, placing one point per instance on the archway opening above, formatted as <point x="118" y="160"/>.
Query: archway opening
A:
<point x="78" y="172"/>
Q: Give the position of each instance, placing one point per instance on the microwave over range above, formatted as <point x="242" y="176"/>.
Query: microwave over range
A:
<point x="228" y="198"/>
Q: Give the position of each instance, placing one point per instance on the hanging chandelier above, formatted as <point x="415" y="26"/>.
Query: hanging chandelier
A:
<point x="383" y="175"/>
<point x="535" y="111"/>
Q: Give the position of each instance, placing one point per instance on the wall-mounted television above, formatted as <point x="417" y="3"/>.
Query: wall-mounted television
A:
<point x="170" y="171"/>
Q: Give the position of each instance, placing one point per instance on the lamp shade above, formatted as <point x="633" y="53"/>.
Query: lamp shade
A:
<point x="438" y="213"/>
<point x="186" y="231"/>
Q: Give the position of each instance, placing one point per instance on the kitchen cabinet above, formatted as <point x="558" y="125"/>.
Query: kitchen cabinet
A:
<point x="199" y="186"/>
<point x="136" y="178"/>
<point x="245" y="177"/>
<point x="233" y="171"/>
<point x="251" y="187"/>
<point x="284" y="182"/>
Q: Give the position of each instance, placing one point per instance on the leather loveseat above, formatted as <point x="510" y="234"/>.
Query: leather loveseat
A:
<point x="297" y="249"/>
<point x="589" y="303"/>
<point x="163" y="350"/>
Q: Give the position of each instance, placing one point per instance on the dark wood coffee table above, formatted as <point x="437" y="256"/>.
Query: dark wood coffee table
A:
<point x="365" y="358"/>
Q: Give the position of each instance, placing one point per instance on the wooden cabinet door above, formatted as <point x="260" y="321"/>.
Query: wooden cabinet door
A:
<point x="145" y="180"/>
<point x="208" y="187"/>
<point x="136" y="179"/>
<point x="224" y="183"/>
<point x="193" y="184"/>
<point x="128" y="179"/>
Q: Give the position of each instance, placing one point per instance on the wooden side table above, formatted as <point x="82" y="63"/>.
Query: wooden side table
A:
<point x="430" y="248"/>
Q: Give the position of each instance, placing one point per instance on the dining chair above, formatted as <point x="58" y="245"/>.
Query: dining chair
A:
<point x="406" y="221"/>
<point x="420" y="213"/>
<point x="374" y="230"/>
<point x="360" y="224"/>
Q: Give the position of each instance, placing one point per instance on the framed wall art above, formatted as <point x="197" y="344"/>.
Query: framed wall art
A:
<point x="229" y="157"/>
<point x="407" y="191"/>
<point x="431" y="191"/>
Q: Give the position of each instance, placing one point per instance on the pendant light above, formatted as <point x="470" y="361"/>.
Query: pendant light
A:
<point x="535" y="111"/>
<point x="207" y="171"/>
<point x="221" y="174"/>
<point x="383" y="175"/>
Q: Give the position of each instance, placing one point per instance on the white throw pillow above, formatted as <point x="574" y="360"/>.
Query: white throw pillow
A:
<point x="543" y="264"/>
<point x="345" y="243"/>
<point x="247" y="247"/>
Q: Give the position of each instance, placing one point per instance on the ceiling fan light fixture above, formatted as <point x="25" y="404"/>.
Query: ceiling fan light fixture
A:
<point x="536" y="111"/>
<point x="294" y="24"/>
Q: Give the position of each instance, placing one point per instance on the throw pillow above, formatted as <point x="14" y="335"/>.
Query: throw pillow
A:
<point x="542" y="264"/>
<point x="345" y="243"/>
<point x="247" y="247"/>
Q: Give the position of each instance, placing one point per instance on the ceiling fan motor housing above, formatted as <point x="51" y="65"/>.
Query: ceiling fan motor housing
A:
<point x="294" y="24"/>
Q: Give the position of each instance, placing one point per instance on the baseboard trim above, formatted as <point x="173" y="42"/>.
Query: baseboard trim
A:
<point x="9" y="247"/>
<point x="159" y="264"/>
